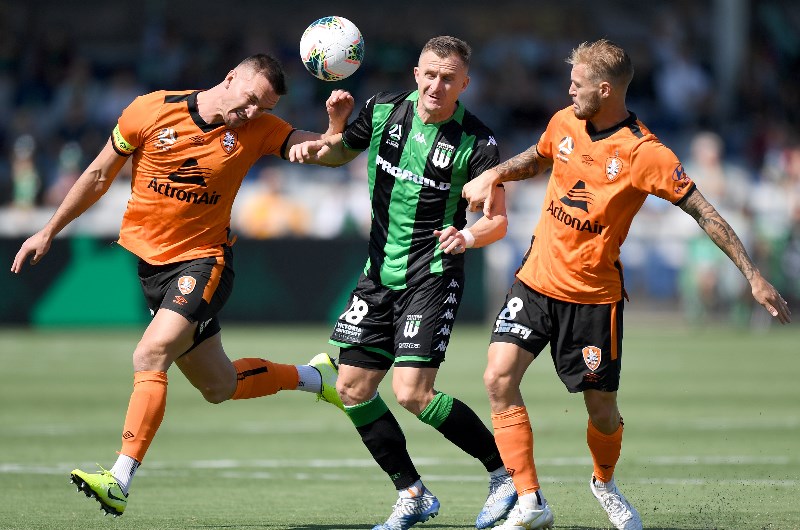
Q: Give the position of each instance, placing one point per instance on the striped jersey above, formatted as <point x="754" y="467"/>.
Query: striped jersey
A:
<point x="599" y="181"/>
<point x="416" y="172"/>
<point x="186" y="174"/>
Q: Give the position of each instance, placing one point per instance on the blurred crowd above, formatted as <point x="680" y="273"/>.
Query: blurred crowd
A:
<point x="725" y="99"/>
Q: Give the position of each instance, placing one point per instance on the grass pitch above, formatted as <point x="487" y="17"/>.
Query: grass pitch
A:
<point x="712" y="436"/>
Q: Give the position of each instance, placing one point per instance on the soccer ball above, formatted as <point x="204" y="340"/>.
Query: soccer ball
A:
<point x="332" y="48"/>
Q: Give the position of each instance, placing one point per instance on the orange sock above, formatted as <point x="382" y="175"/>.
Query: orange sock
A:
<point x="259" y="377"/>
<point x="605" y="449"/>
<point x="514" y="438"/>
<point x="145" y="412"/>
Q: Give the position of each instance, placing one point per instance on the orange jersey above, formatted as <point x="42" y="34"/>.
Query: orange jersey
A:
<point x="598" y="183"/>
<point x="186" y="174"/>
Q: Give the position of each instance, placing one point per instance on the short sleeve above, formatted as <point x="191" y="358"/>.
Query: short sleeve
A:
<point x="656" y="170"/>
<point x="358" y="134"/>
<point x="130" y="130"/>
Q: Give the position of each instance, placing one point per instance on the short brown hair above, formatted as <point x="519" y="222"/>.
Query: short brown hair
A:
<point x="445" y="46"/>
<point x="269" y="67"/>
<point x="604" y="61"/>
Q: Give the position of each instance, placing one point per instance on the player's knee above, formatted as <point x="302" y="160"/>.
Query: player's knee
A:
<point x="351" y="393"/>
<point x="412" y="400"/>
<point x="496" y="383"/>
<point x="215" y="394"/>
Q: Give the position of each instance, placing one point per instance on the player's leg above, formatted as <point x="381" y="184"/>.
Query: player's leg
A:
<point x="168" y="335"/>
<point x="521" y="332"/>
<point x="590" y="362"/>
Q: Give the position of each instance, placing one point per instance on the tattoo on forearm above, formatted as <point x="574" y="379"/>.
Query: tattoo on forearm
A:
<point x="719" y="231"/>
<point x="524" y="165"/>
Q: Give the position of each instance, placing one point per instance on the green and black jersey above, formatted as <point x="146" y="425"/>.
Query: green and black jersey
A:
<point x="416" y="173"/>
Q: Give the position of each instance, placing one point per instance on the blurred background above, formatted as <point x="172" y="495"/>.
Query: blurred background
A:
<point x="716" y="80"/>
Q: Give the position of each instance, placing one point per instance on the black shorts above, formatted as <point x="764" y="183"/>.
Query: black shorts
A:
<point x="409" y="327"/>
<point x="585" y="339"/>
<point x="196" y="289"/>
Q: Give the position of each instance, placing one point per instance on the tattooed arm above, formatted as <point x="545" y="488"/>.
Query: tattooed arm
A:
<point x="480" y="191"/>
<point x="726" y="239"/>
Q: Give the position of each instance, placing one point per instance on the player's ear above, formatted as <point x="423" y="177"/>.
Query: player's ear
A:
<point x="229" y="78"/>
<point x="605" y="89"/>
<point x="466" y="83"/>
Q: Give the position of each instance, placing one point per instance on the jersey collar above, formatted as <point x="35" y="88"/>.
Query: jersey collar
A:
<point x="629" y="122"/>
<point x="195" y="114"/>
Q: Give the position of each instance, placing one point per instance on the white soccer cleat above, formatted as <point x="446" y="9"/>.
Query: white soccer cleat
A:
<point x="409" y="511"/>
<point x="524" y="518"/>
<point x="501" y="499"/>
<point x="620" y="512"/>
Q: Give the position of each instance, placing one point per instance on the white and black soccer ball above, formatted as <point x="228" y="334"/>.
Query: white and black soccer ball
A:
<point x="332" y="48"/>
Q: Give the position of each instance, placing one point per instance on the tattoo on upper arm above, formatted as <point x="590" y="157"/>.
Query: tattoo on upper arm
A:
<point x="525" y="165"/>
<point x="718" y="230"/>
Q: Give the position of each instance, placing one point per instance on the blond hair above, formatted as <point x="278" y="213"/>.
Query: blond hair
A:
<point x="604" y="61"/>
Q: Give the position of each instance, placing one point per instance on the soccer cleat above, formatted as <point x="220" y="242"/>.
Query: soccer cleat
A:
<point x="522" y="518"/>
<point x="620" y="512"/>
<point x="501" y="499"/>
<point x="327" y="369"/>
<point x="409" y="511"/>
<point x="103" y="487"/>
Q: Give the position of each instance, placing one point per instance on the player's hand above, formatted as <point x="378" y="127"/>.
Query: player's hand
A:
<point x="339" y="106"/>
<point x="479" y="192"/>
<point x="307" y="151"/>
<point x="451" y="240"/>
<point x="38" y="245"/>
<point x="766" y="295"/>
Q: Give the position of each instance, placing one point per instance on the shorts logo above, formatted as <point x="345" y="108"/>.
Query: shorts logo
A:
<point x="412" y="325"/>
<point x="179" y="300"/>
<point x="591" y="356"/>
<point x="186" y="284"/>
<point x="228" y="141"/>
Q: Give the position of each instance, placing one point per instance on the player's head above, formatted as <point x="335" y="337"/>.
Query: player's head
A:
<point x="252" y="88"/>
<point x="601" y="72"/>
<point x="442" y="74"/>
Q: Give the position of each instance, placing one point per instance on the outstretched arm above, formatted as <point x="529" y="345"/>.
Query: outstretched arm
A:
<point x="484" y="231"/>
<point x="726" y="239"/>
<point x="480" y="191"/>
<point x="89" y="187"/>
<point x="339" y="106"/>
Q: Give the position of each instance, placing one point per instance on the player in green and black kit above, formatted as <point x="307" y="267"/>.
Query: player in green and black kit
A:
<point x="423" y="146"/>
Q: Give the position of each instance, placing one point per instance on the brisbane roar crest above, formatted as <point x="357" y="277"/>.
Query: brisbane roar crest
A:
<point x="591" y="356"/>
<point x="186" y="284"/>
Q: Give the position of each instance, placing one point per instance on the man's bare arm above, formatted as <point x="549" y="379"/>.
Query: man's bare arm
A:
<point x="726" y="239"/>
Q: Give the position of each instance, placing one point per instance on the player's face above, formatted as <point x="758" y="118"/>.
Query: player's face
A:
<point x="440" y="82"/>
<point x="585" y="94"/>
<point x="248" y="96"/>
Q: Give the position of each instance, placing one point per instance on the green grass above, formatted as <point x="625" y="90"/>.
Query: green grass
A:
<point x="711" y="441"/>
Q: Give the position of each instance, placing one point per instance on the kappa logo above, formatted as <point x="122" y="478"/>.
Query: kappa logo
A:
<point x="592" y="356"/>
<point x="186" y="284"/>
<point x="420" y="138"/>
<point x="578" y="197"/>
<point x="229" y="139"/>
<point x="491" y="141"/>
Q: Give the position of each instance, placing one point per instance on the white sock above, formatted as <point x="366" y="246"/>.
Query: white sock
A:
<point x="531" y="501"/>
<point x="415" y="490"/>
<point x="124" y="469"/>
<point x="310" y="380"/>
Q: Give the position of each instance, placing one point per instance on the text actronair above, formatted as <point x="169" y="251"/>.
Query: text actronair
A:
<point x="581" y="225"/>
<point x="190" y="197"/>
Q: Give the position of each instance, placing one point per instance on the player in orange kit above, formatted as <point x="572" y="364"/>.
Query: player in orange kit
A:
<point x="569" y="291"/>
<point x="190" y="150"/>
